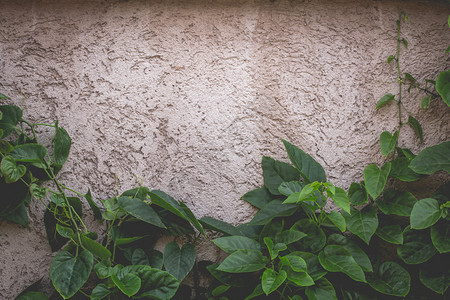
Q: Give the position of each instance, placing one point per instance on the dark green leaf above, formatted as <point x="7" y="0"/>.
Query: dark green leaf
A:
<point x="425" y="213"/>
<point x="69" y="273"/>
<point x="417" y="247"/>
<point x="179" y="262"/>
<point x="288" y="188"/>
<point x="313" y="265"/>
<point x="220" y="290"/>
<point x="139" y="257"/>
<point x="276" y="172"/>
<point x="100" y="291"/>
<point x="243" y="261"/>
<point x="388" y="142"/>
<point x="390" y="279"/>
<point x="337" y="219"/>
<point x="274" y="208"/>
<point x="141" y="210"/>
<point x="30" y="295"/>
<point x="93" y="206"/>
<point x="61" y="145"/>
<point x="443" y="86"/>
<point x="258" y="197"/>
<point x="440" y="236"/>
<point x="32" y="153"/>
<point x="95" y="248"/>
<point x="19" y="216"/>
<point x="156" y="259"/>
<point x="64" y="231"/>
<point x="129" y="284"/>
<point x="322" y="290"/>
<point x="416" y="127"/>
<point x="396" y="203"/>
<point x="274" y="249"/>
<point x="5" y="147"/>
<point x="358" y="255"/>
<point x="375" y="179"/>
<point x="362" y="223"/>
<point x="233" y="279"/>
<point x="335" y="258"/>
<point x="11" y="115"/>
<point x="271" y="280"/>
<point x="391" y="233"/>
<point x="432" y="159"/>
<point x="11" y="170"/>
<point x="401" y="170"/>
<point x="38" y="192"/>
<point x="230" y="244"/>
<point x="357" y="194"/>
<point x="315" y="239"/>
<point x="258" y="291"/>
<point x="219" y="226"/>
<point x="310" y="169"/>
<point x="341" y="200"/>
<point x="156" y="284"/>
<point x="435" y="275"/>
<point x="103" y="269"/>
<point x="140" y="192"/>
<point x="289" y="236"/>
<point x="385" y="100"/>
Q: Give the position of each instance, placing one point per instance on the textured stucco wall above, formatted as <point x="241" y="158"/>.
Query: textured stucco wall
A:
<point x="189" y="95"/>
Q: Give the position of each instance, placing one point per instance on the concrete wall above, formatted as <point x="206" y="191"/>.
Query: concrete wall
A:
<point x="189" y="95"/>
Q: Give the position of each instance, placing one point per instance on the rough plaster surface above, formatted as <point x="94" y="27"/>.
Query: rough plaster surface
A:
<point x="189" y="95"/>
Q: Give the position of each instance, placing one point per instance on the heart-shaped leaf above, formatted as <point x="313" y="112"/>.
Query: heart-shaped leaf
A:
<point x="32" y="153"/>
<point x="315" y="239"/>
<point x="390" y="279"/>
<point x="357" y="194"/>
<point x="391" y="233"/>
<point x="357" y="253"/>
<point x="362" y="223"/>
<point x="141" y="210"/>
<point x="179" y="262"/>
<point x="335" y="258"/>
<point x="157" y="284"/>
<point x="61" y="145"/>
<point x="258" y="197"/>
<point x="397" y="203"/>
<point x="322" y="290"/>
<point x="276" y="172"/>
<point x="243" y="261"/>
<point x="230" y="244"/>
<point x="129" y="284"/>
<point x="375" y="179"/>
<point x="388" y="142"/>
<point x="341" y="200"/>
<point x="440" y="236"/>
<point x="425" y="213"/>
<point x="274" y="208"/>
<point x="417" y="247"/>
<point x="11" y="115"/>
<point x="432" y="159"/>
<point x="11" y="170"/>
<point x="271" y="280"/>
<point x="435" y="275"/>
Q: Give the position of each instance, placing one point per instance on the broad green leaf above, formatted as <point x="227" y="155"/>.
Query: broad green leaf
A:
<point x="230" y="244"/>
<point x="315" y="239"/>
<point x="310" y="169"/>
<point x="313" y="265"/>
<point x="19" y="216"/>
<point x="375" y="179"/>
<point x="322" y="290"/>
<point x="95" y="248"/>
<point x="391" y="233"/>
<point x="401" y="170"/>
<point x="11" y="171"/>
<point x="140" y="192"/>
<point x="156" y="259"/>
<point x="103" y="269"/>
<point x="388" y="142"/>
<point x="61" y="145"/>
<point x="335" y="258"/>
<point x="274" y="249"/>
<point x="5" y="147"/>
<point x="11" y="115"/>
<point x="390" y="279"/>
<point x="417" y="247"/>
<point x="258" y="291"/>
<point x="157" y="284"/>
<point x="276" y="172"/>
<point x="341" y="200"/>
<point x="425" y="213"/>
<point x="191" y="218"/>
<point x="299" y="278"/>
<point x="129" y="284"/>
<point x="100" y="292"/>
<point x="243" y="261"/>
<point x="37" y="191"/>
<point x="362" y="223"/>
<point x="141" y="210"/>
<point x="358" y="255"/>
<point x="219" y="226"/>
<point x="139" y="257"/>
<point x="397" y="203"/>
<point x="288" y="188"/>
<point x="93" y="205"/>
<point x="294" y="262"/>
<point x="432" y="159"/>
<point x="416" y="127"/>
<point x="407" y="153"/>
<point x="258" y="197"/>
<point x="289" y="236"/>
<point x="443" y="86"/>
<point x="64" y="231"/>
<point x="358" y="194"/>
<point x="435" y="275"/>
<point x="385" y="100"/>
<point x="220" y="290"/>
<point x="119" y="238"/>
<point x="390" y="58"/>
<point x="271" y="280"/>
<point x="440" y="236"/>
<point x="32" y="153"/>
<point x="273" y="209"/>
<point x="30" y="295"/>
<point x="179" y="262"/>
<point x="233" y="279"/>
<point x="68" y="273"/>
<point x="271" y="229"/>
<point x="337" y="219"/>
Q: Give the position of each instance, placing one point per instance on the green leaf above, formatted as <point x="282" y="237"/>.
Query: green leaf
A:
<point x="3" y="97"/>
<point x="258" y="197"/>
<point x="388" y="142"/>
<point x="335" y="258"/>
<point x="417" y="247"/>
<point x="288" y="188"/>
<point x="276" y="172"/>
<point x="322" y="290"/>
<point x="416" y="127"/>
<point x="68" y="273"/>
<point x="341" y="200"/>
<point x="271" y="280"/>
<point x="139" y="257"/>
<point x="405" y="42"/>
<point x="390" y="58"/>
<point x="390" y="279"/>
<point x="443" y="86"/>
<point x="5" y="147"/>
<point x="273" y="209"/>
<point x="432" y="159"/>
<point x="274" y="249"/>
<point x="95" y="248"/>
<point x="37" y="191"/>
<point x="129" y="284"/>
<point x="230" y="244"/>
<point x="30" y="295"/>
<point x="219" y="226"/>
<point x="11" y="115"/>
<point x="220" y="290"/>
<point x="140" y="210"/>
<point x="362" y="223"/>
<point x="310" y="169"/>
<point x="425" y="102"/>
<point x="32" y="153"/>
<point x="93" y="205"/>
<point x="258" y="291"/>
<point x="179" y="262"/>
<point x="19" y="216"/>
<point x="100" y="291"/>
<point x="401" y="170"/>
<point x="61" y="145"/>
<point x="337" y="219"/>
<point x="140" y="192"/>
<point x="11" y="170"/>
<point x="358" y="255"/>
<point x="157" y="284"/>
<point x="233" y="279"/>
<point x="375" y="179"/>
<point x="425" y="213"/>
<point x="313" y="265"/>
<point x="243" y="261"/>
<point x="294" y="262"/>
<point x="391" y="233"/>
<point x="410" y="77"/>
<point x="435" y="275"/>
<point x="358" y="194"/>
<point x="315" y="239"/>
<point x="396" y="203"/>
<point x="64" y="231"/>
<point x="103" y="269"/>
<point x="440" y="236"/>
<point x="385" y="100"/>
<point x="289" y="236"/>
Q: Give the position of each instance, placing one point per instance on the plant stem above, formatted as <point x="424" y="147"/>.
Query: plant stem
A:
<point x="400" y="80"/>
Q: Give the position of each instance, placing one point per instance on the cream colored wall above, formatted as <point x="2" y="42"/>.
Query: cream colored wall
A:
<point x="189" y="95"/>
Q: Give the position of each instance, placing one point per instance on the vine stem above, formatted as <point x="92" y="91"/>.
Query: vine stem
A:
<point x="400" y="80"/>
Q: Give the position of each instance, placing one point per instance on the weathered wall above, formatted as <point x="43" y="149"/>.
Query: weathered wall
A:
<point x="189" y="95"/>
